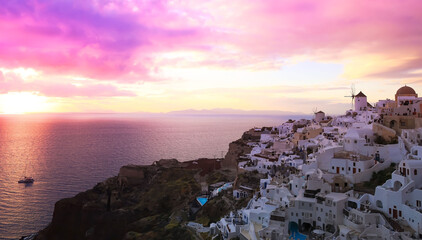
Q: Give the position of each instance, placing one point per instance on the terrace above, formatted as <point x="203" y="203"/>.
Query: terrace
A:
<point x="351" y="156"/>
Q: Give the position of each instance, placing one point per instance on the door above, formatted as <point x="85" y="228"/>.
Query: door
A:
<point x="354" y="170"/>
<point x="338" y="169"/>
<point x="394" y="213"/>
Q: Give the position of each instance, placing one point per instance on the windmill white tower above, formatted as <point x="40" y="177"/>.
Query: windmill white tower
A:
<point x="361" y="102"/>
<point x="318" y="115"/>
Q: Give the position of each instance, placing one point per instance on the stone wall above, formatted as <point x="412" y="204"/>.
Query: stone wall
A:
<point x="400" y="122"/>
<point x="383" y="131"/>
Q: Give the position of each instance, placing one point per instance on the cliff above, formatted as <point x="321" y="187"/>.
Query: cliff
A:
<point x="142" y="202"/>
<point x="146" y="202"/>
<point x="135" y="205"/>
<point x="236" y="150"/>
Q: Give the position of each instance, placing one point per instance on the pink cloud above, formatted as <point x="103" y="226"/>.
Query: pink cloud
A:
<point x="92" y="90"/>
<point x="332" y="30"/>
<point x="101" y="41"/>
<point x="12" y="83"/>
<point x="118" y="40"/>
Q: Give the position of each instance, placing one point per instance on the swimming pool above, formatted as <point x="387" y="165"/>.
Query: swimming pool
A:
<point x="202" y="201"/>
<point x="294" y="232"/>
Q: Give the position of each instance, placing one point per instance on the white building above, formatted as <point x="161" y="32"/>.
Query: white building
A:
<point x="401" y="196"/>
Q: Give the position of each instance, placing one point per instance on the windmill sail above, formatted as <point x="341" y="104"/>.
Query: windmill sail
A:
<point x="352" y="94"/>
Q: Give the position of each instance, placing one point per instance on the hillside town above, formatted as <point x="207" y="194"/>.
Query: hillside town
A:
<point x="355" y="176"/>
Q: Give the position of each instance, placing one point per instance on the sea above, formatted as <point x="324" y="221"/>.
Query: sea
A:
<point x="70" y="153"/>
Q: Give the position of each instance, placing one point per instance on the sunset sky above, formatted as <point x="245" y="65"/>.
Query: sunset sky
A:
<point x="160" y="56"/>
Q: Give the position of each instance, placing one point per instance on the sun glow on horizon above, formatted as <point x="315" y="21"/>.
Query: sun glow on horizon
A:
<point x="23" y="102"/>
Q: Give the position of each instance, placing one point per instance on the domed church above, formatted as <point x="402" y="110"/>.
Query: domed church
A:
<point x="405" y="96"/>
<point x="407" y="112"/>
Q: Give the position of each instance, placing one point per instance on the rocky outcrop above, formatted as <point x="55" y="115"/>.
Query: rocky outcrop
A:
<point x="140" y="194"/>
<point x="251" y="135"/>
<point x="131" y="175"/>
<point x="168" y="163"/>
<point x="239" y="148"/>
<point x="141" y="202"/>
<point x="236" y="149"/>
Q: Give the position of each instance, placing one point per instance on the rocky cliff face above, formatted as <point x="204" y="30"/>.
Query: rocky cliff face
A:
<point x="144" y="202"/>
<point x="236" y="149"/>
<point x="140" y="201"/>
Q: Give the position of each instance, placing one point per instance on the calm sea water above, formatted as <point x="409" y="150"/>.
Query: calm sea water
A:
<point x="67" y="154"/>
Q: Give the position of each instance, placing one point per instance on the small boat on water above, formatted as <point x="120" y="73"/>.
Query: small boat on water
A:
<point x="26" y="180"/>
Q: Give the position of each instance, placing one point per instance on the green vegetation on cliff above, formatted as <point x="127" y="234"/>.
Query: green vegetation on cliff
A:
<point x="155" y="209"/>
<point x="151" y="202"/>
<point x="377" y="179"/>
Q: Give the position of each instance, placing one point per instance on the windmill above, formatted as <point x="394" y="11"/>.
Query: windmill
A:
<point x="352" y="94"/>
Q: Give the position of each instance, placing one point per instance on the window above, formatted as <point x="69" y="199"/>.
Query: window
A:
<point x="418" y="203"/>
<point x="359" y="169"/>
<point x="342" y="169"/>
<point x="349" y="168"/>
<point x="332" y="167"/>
<point x="415" y="172"/>
<point x="408" y="172"/>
